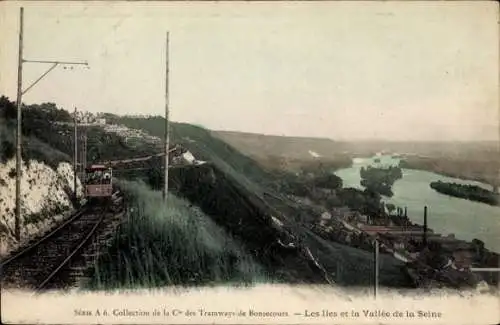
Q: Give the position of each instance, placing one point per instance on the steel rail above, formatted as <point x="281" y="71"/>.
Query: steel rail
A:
<point x="103" y="211"/>
<point x="75" y="216"/>
<point x="75" y="250"/>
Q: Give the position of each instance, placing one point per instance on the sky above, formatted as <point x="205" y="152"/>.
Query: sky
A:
<point x="342" y="70"/>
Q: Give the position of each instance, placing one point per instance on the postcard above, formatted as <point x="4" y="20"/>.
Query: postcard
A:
<point x="267" y="162"/>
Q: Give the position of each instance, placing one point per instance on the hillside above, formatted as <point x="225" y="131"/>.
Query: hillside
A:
<point x="273" y="145"/>
<point x="240" y="196"/>
<point x="232" y="191"/>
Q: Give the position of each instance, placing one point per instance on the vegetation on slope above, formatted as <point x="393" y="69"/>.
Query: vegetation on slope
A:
<point x="170" y="243"/>
<point x="34" y="147"/>
<point x="469" y="192"/>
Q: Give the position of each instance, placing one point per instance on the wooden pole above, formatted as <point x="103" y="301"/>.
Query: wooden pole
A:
<point x="167" y="137"/>
<point x="17" y="225"/>
<point x="425" y="226"/>
<point x="376" y="267"/>
<point x="75" y="163"/>
<point x="84" y="152"/>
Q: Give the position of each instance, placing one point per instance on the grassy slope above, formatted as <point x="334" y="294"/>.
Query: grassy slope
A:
<point x="182" y="247"/>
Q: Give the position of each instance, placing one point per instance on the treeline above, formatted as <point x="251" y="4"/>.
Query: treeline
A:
<point x="380" y="180"/>
<point x="469" y="192"/>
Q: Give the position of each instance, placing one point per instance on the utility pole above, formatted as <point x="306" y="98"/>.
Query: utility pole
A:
<point x="82" y="152"/>
<point x="17" y="225"/>
<point x="84" y="160"/>
<point x="376" y="267"/>
<point x="425" y="227"/>
<point x="75" y="163"/>
<point x="20" y="93"/>
<point x="167" y="137"/>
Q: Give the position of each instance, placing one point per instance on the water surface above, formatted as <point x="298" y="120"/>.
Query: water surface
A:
<point x="446" y="215"/>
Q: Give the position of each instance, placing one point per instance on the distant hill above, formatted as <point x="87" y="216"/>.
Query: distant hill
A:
<point x="288" y="153"/>
<point x="274" y="145"/>
<point x="300" y="147"/>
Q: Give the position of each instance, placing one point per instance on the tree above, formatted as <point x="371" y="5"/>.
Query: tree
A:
<point x="8" y="109"/>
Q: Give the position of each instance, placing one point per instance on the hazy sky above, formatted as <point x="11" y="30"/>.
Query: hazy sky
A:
<point x="343" y="70"/>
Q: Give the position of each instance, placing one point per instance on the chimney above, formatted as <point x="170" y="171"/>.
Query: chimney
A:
<point x="425" y="226"/>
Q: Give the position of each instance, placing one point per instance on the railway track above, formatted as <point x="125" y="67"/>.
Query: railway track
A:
<point x="56" y="261"/>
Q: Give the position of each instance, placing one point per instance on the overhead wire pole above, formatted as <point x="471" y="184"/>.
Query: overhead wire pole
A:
<point x="17" y="226"/>
<point x="167" y="137"/>
<point x="75" y="166"/>
<point x="84" y="166"/>
<point x="19" y="100"/>
<point x="376" y="267"/>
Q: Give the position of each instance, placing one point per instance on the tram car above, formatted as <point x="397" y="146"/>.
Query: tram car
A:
<point x="98" y="183"/>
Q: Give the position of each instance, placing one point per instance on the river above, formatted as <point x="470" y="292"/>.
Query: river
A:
<point x="446" y="215"/>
